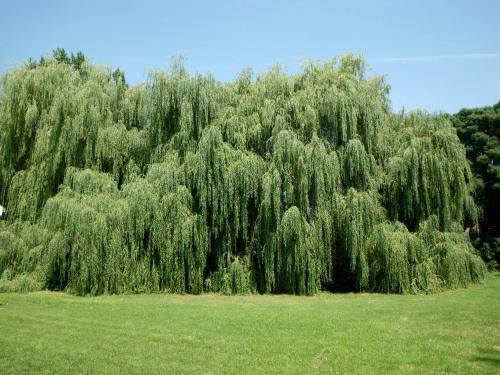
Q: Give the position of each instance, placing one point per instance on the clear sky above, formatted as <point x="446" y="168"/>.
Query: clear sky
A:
<point x="437" y="55"/>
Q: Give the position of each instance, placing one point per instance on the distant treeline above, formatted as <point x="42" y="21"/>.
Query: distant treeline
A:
<point x="274" y="184"/>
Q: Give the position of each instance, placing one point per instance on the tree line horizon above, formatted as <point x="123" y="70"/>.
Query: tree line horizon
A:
<point x="277" y="183"/>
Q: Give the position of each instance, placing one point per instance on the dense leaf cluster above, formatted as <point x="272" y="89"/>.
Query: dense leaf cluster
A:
<point x="479" y="131"/>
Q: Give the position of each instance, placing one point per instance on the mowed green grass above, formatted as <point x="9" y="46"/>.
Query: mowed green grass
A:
<point x="55" y="333"/>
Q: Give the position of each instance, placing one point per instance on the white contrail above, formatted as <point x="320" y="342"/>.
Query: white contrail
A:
<point x="463" y="56"/>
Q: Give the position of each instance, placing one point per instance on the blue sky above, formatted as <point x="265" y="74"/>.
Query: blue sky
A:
<point x="437" y="55"/>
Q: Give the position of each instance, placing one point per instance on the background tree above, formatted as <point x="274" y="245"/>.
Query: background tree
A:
<point x="479" y="130"/>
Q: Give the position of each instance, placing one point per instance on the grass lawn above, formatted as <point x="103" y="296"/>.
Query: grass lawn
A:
<point x="55" y="333"/>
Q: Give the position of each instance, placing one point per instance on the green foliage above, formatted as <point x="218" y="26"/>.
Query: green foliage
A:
<point x="22" y="257"/>
<point x="234" y="279"/>
<point x="359" y="213"/>
<point x="179" y="237"/>
<point x="183" y="184"/>
<point x="455" y="259"/>
<point x="428" y="174"/>
<point x="296" y="268"/>
<point x="478" y="130"/>
<point x="360" y="169"/>
<point x="399" y="262"/>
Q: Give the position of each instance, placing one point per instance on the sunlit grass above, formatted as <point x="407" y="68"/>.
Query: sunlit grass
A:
<point x="55" y="333"/>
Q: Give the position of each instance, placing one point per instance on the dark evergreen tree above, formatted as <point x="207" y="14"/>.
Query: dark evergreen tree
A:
<point x="479" y="131"/>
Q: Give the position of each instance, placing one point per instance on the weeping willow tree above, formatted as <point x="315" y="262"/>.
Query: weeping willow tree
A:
<point x="272" y="183"/>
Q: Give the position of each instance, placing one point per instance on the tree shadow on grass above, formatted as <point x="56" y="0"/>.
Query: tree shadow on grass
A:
<point x="488" y="355"/>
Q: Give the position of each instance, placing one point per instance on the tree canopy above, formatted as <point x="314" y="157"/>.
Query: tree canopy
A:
<point x="479" y="130"/>
<point x="276" y="183"/>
